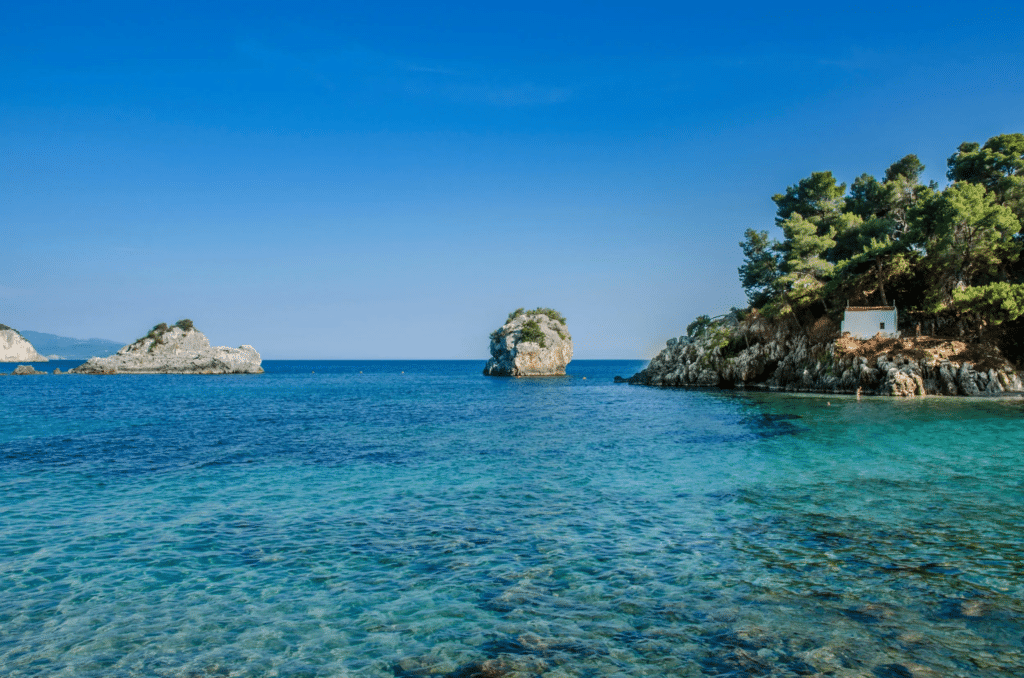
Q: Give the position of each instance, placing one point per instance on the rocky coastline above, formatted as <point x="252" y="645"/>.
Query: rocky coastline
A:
<point x="175" y="349"/>
<point x="530" y="344"/>
<point x="15" y="348"/>
<point x="755" y="353"/>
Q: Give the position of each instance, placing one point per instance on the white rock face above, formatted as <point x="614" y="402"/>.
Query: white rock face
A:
<point x="511" y="356"/>
<point x="15" y="348"/>
<point x="176" y="351"/>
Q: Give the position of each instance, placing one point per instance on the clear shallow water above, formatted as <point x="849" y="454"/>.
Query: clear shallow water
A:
<point x="416" y="518"/>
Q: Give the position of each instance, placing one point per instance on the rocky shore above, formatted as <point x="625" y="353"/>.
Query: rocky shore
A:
<point x="176" y="349"/>
<point x="530" y="344"/>
<point x="15" y="348"/>
<point x="755" y="353"/>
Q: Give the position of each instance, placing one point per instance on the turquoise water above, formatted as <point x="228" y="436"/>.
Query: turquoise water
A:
<point x="418" y="519"/>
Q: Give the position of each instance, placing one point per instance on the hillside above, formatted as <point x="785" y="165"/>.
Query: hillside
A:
<point x="68" y="348"/>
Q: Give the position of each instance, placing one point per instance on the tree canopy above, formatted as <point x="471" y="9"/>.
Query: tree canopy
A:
<point x="896" y="240"/>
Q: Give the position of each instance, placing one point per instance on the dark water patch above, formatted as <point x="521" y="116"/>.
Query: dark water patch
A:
<point x="768" y="425"/>
<point x="507" y="645"/>
<point x="892" y="671"/>
<point x="997" y="619"/>
<point x="528" y="644"/>
<point x="477" y="669"/>
<point x="934" y="569"/>
<point x="735" y="662"/>
<point x="867" y="614"/>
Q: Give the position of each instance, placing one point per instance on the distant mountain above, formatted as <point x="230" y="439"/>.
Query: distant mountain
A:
<point x="71" y="349"/>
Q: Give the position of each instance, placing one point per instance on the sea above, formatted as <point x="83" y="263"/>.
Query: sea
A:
<point x="413" y="519"/>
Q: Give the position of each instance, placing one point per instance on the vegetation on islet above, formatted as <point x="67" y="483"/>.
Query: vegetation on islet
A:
<point x="940" y="251"/>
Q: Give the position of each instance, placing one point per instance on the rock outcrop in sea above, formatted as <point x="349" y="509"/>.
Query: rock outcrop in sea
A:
<point x="178" y="349"/>
<point x="530" y="344"/>
<point x="15" y="348"/>
<point x="782" y="356"/>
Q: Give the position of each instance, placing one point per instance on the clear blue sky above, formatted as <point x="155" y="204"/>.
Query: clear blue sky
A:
<point x="373" y="180"/>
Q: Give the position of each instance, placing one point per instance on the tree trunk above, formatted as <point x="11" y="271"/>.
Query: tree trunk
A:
<point x="881" y="285"/>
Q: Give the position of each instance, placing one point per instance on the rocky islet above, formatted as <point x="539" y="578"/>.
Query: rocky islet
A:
<point x="530" y="344"/>
<point x="175" y="349"/>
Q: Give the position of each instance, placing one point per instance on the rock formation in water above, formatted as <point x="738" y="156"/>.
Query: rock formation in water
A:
<point x="178" y="349"/>
<point x="26" y="369"/>
<point x="15" y="348"/>
<point x="757" y="354"/>
<point x="530" y="344"/>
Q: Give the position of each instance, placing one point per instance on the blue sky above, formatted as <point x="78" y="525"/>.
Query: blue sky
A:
<point x="343" y="180"/>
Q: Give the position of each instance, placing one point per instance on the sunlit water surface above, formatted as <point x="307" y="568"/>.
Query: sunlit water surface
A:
<point x="418" y="519"/>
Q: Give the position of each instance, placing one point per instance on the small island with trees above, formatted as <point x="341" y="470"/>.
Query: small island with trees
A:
<point x="530" y="344"/>
<point x="949" y="258"/>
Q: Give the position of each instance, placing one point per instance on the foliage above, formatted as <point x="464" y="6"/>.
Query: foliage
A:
<point x="760" y="269"/>
<point x="894" y="240"/>
<point x="531" y="332"/>
<point x="815" y="198"/>
<point x="971" y="236"/>
<point x="909" y="167"/>
<point x="157" y="331"/>
<point x="996" y="302"/>
<point x="698" y="326"/>
<point x="549" y="312"/>
<point x="740" y="314"/>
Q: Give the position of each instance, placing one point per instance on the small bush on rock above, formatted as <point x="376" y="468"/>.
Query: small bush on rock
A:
<point x="698" y="326"/>
<point x="549" y="312"/>
<point x="157" y="331"/>
<point x="531" y="332"/>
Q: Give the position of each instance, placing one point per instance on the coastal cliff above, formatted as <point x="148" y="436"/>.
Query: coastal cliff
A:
<point x="178" y="349"/>
<point x="530" y="344"/>
<point x="15" y="348"/>
<point x="755" y="353"/>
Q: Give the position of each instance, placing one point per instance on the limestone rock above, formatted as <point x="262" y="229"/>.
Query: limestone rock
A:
<point x="15" y="348"/>
<point x="26" y="369"/>
<point x="530" y="344"/>
<point x="753" y="353"/>
<point x="179" y="349"/>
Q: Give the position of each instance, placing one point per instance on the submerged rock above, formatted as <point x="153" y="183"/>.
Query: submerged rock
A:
<point x="179" y="349"/>
<point x="530" y="344"/>
<point x="16" y="348"/>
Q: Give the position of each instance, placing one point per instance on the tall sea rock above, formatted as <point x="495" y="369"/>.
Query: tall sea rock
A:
<point x="178" y="349"/>
<point x="530" y="344"/>
<point x="15" y="348"/>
